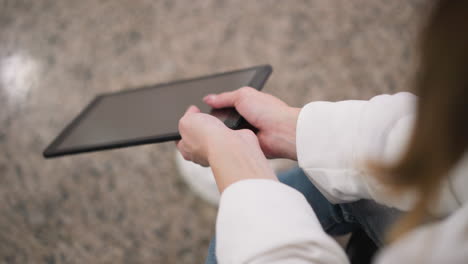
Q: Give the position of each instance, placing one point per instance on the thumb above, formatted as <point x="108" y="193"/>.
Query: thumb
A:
<point x="226" y="99"/>
<point x="192" y="109"/>
<point x="184" y="119"/>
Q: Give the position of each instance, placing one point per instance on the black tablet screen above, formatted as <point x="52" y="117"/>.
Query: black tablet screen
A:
<point x="144" y="113"/>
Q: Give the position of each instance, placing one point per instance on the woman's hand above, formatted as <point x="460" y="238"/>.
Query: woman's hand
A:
<point x="199" y="132"/>
<point x="232" y="154"/>
<point x="274" y="119"/>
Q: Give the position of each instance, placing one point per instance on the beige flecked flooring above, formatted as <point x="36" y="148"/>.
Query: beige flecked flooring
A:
<point x="129" y="205"/>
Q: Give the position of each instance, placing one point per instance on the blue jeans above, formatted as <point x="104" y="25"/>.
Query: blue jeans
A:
<point x="336" y="219"/>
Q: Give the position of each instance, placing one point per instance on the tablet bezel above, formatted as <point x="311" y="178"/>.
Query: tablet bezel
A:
<point x="262" y="73"/>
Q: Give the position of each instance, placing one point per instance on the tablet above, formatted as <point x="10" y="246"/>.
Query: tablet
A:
<point x="150" y="114"/>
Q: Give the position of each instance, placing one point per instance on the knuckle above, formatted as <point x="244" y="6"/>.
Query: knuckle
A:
<point x="247" y="133"/>
<point x="185" y="156"/>
<point x="246" y="90"/>
<point x="183" y="123"/>
<point x="244" y="93"/>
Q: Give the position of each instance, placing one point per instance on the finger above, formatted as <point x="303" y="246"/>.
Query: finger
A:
<point x="227" y="99"/>
<point x="183" y="120"/>
<point x="185" y="156"/>
<point x="192" y="109"/>
<point x="202" y="163"/>
<point x="181" y="148"/>
<point x="178" y="144"/>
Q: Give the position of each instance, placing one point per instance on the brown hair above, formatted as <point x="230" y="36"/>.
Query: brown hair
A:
<point x="440" y="135"/>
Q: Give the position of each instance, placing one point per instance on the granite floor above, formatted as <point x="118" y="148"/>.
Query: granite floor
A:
<point x="129" y="205"/>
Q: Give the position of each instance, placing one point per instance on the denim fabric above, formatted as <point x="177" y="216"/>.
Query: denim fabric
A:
<point x="339" y="219"/>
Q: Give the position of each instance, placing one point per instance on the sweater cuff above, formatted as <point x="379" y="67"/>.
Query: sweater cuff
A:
<point x="325" y="141"/>
<point x="258" y="216"/>
<point x="326" y="133"/>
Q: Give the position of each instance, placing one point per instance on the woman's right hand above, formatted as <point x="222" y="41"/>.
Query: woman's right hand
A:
<point x="274" y="119"/>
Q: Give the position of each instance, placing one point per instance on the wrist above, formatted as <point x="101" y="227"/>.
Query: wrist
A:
<point x="285" y="138"/>
<point x="293" y="117"/>
<point x="234" y="158"/>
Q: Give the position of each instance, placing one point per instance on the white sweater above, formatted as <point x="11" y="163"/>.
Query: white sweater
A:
<point x="263" y="221"/>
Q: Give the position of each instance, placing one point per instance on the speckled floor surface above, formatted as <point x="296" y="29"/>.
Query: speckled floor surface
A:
<point x="129" y="205"/>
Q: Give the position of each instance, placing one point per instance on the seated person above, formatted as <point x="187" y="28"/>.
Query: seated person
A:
<point x="361" y="158"/>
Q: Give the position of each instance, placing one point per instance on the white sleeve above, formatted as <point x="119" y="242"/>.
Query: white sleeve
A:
<point x="440" y="242"/>
<point x="264" y="221"/>
<point x="335" y="140"/>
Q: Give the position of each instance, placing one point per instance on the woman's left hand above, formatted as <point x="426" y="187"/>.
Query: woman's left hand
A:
<point x="232" y="154"/>
<point x="199" y="131"/>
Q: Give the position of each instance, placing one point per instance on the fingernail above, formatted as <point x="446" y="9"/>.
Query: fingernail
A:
<point x="209" y="97"/>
